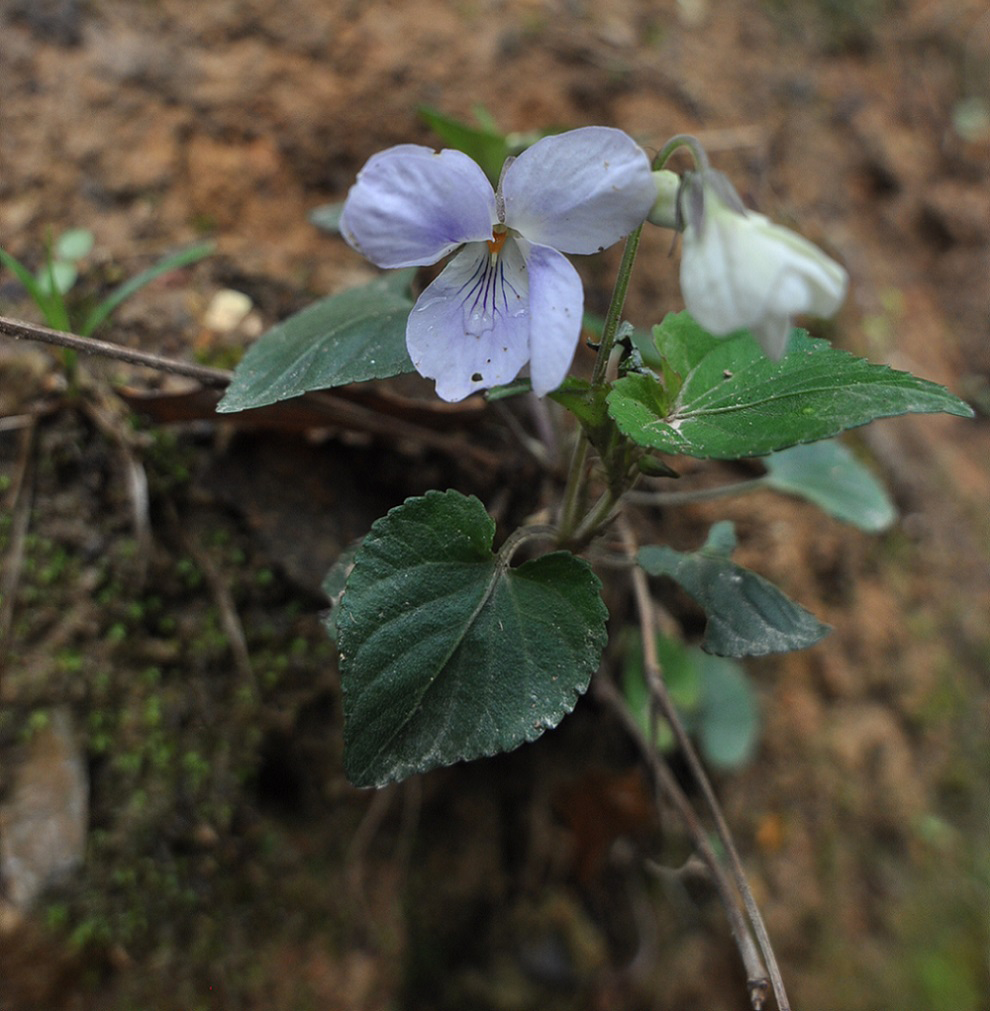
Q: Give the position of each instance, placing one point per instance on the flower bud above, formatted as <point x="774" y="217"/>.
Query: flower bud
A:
<point x="664" y="210"/>
<point x="741" y="271"/>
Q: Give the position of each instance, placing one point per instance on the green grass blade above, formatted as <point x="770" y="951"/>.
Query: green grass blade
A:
<point x="27" y="279"/>
<point x="120" y="294"/>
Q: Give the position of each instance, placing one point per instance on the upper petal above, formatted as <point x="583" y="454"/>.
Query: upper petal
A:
<point x="556" y="306"/>
<point x="707" y="281"/>
<point x="579" y="191"/>
<point x="412" y="205"/>
<point x="469" y="330"/>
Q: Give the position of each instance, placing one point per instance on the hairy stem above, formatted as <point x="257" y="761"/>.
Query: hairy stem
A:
<point x="595" y="517"/>
<point x="574" y="490"/>
<point x="614" y="314"/>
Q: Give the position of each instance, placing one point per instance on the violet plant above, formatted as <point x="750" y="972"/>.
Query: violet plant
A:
<point x="448" y="650"/>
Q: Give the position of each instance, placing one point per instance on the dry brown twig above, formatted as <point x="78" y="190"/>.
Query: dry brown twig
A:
<point x="320" y="409"/>
<point x="757" y="978"/>
<point x="19" y="330"/>
<point x="20" y="509"/>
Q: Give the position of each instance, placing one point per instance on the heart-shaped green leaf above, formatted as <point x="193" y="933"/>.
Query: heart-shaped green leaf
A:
<point x="734" y="402"/>
<point x="446" y="652"/>
<point x="747" y="614"/>
<point x="352" y="337"/>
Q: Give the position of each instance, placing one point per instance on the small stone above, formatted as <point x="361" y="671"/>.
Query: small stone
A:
<point x="43" y="825"/>
<point x="227" y="310"/>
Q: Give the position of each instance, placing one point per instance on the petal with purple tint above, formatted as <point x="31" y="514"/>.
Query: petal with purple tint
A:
<point x="579" y="191"/>
<point x="412" y="205"/>
<point x="556" y="305"/>
<point x="469" y="330"/>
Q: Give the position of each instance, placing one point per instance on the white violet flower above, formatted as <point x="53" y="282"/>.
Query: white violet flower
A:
<point x="509" y="296"/>
<point x="739" y="270"/>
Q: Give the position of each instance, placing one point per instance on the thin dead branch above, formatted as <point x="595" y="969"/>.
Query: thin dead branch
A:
<point x="20" y="330"/>
<point x="666" y="785"/>
<point x="20" y="511"/>
<point x="663" y="702"/>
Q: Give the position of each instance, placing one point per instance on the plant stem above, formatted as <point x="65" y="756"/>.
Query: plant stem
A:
<point x="682" y="140"/>
<point x="667" y="498"/>
<point x="515" y="540"/>
<point x="595" y="517"/>
<point x="574" y="488"/>
<point x="20" y="330"/>
<point x="614" y="314"/>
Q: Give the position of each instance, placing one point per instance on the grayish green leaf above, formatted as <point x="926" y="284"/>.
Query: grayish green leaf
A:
<point x="352" y="337"/>
<point x="729" y="717"/>
<point x="57" y="276"/>
<point x="747" y="614"/>
<point x="827" y="474"/>
<point x="327" y="217"/>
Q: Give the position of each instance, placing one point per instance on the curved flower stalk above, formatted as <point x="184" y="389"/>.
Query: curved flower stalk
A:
<point x="739" y="270"/>
<point x="509" y="296"/>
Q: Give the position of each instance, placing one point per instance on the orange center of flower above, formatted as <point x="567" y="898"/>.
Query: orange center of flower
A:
<point x="499" y="234"/>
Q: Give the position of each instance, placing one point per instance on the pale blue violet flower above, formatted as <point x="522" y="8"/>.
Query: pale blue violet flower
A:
<point x="509" y="296"/>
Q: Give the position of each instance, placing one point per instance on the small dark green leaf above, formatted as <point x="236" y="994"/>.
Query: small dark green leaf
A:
<point x="747" y="614"/>
<point x="585" y="402"/>
<point x="653" y="466"/>
<point x="827" y="474"/>
<point x="486" y="146"/>
<point x="58" y="275"/>
<point x="447" y="653"/>
<point x="75" y="244"/>
<point x="352" y="337"/>
<point x="327" y="217"/>
<point x="734" y="402"/>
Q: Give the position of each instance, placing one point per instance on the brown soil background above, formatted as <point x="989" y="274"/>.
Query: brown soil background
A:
<point x="229" y="865"/>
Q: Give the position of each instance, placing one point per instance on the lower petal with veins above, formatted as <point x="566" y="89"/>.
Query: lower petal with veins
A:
<point x="469" y="330"/>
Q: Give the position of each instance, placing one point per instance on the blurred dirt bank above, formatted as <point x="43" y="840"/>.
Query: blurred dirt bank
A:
<point x="227" y="863"/>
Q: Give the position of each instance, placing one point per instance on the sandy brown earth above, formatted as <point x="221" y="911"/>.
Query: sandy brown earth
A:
<point x="179" y="664"/>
